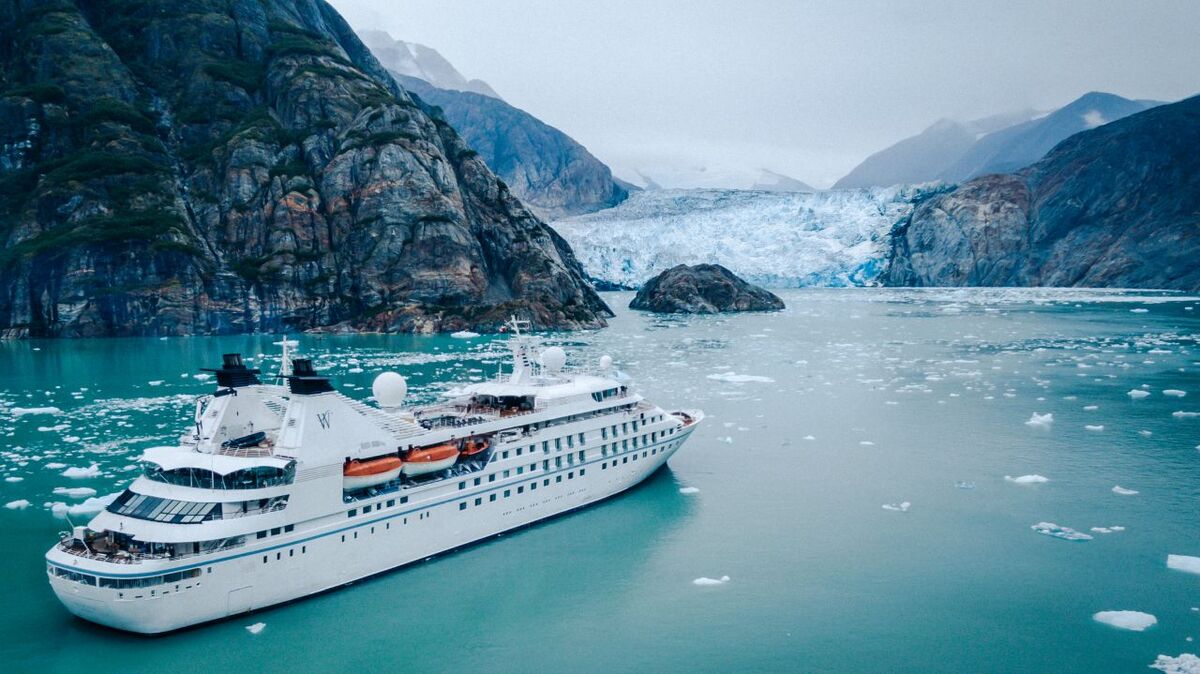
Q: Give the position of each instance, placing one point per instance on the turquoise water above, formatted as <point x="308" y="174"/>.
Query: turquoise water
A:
<point x="817" y="417"/>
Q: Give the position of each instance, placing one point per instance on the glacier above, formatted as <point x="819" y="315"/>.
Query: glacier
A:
<point x="780" y="240"/>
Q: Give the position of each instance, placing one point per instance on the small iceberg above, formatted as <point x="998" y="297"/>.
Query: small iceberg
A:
<point x="464" y="334"/>
<point x="1184" y="563"/>
<point x="689" y="490"/>
<point x="1065" y="533"/>
<point x="19" y="504"/>
<point x="734" y="378"/>
<point x="1041" y="420"/>
<point x="1184" y="663"/>
<point x="1185" y="415"/>
<point x="1137" y="394"/>
<point x="13" y="478"/>
<point x="22" y="411"/>
<point x="1122" y="491"/>
<point x="74" y="492"/>
<point x="901" y="507"/>
<point x="964" y="484"/>
<point x="1174" y="393"/>
<point x="255" y="628"/>
<point x="77" y="473"/>
<point x="1094" y="427"/>
<point x="1126" y="620"/>
<point x="1027" y="479"/>
<point x="710" y="581"/>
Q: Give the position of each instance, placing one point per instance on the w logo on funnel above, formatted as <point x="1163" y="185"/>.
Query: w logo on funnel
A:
<point x="323" y="417"/>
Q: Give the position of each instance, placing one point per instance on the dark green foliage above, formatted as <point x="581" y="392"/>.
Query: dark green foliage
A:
<point x="248" y="76"/>
<point x="95" y="164"/>
<point x="119" y="112"/>
<point x="39" y="93"/>
<point x="145" y="226"/>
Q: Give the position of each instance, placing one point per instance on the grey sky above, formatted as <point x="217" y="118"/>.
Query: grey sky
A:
<point x="804" y="88"/>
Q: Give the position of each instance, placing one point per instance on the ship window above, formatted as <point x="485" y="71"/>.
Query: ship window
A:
<point x="533" y="485"/>
<point x="476" y="482"/>
<point x="532" y="467"/>
<point x="625" y="460"/>
<point x="558" y="479"/>
<point x="492" y="477"/>
<point x="292" y="552"/>
<point x="391" y="502"/>
<point x="546" y="446"/>
<point x="290" y="528"/>
<point x="278" y="555"/>
<point x="492" y="497"/>
<point x="462" y="505"/>
<point x="403" y="499"/>
<point x="504" y="455"/>
<point x="581" y="455"/>
<point x="571" y="475"/>
<point x="264" y="559"/>
<point x="603" y="433"/>
<point x="546" y="464"/>
<point x="521" y="490"/>
<point x="570" y="441"/>
<point x="507" y="493"/>
<point x="343" y="538"/>
<point x="478" y="501"/>
<point x="532" y="448"/>
<point x="262" y="534"/>
<point x="520" y="470"/>
<point x="604" y="466"/>
<point x="546" y="482"/>
<point x="582" y="471"/>
<point x="581" y="440"/>
<point x="519" y="450"/>
<point x="303" y="549"/>
<point x="462" y="485"/>
<point x="507" y="473"/>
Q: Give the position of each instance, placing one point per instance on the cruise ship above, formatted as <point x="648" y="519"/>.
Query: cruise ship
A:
<point x="283" y="490"/>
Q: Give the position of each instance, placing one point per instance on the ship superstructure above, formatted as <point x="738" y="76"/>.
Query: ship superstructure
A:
<point x="279" y="491"/>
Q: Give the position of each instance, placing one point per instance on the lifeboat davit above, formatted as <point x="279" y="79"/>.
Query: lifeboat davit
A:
<point x="473" y="449"/>
<point x="362" y="474"/>
<point x="430" y="459"/>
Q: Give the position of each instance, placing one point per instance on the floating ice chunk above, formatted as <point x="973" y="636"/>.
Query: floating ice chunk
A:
<point x="156" y="382"/>
<point x="1137" y="394"/>
<point x="809" y="437"/>
<point x="1122" y="491"/>
<point x="1174" y="393"/>
<point x="901" y="507"/>
<point x="1027" y="479"/>
<point x="1094" y="427"/>
<point x="689" y="490"/>
<point x="203" y="376"/>
<point x="702" y="581"/>
<point x="1184" y="663"/>
<point x="355" y="370"/>
<point x="13" y="478"/>
<point x="1138" y="311"/>
<point x="53" y="429"/>
<point x="866" y="443"/>
<point x="1091" y="408"/>
<point x="1041" y="420"/>
<point x="255" y="628"/>
<point x="1126" y="620"/>
<point x="1065" y="533"/>
<point x="464" y="334"/>
<point x="1145" y="434"/>
<point x="965" y="484"/>
<point x="1102" y="530"/>
<point x="1185" y="415"/>
<point x="19" y="504"/>
<point x="77" y="473"/>
<point x="734" y="378"/>
<point x="91" y="506"/>
<point x="22" y="411"/>
<point x="1116" y="528"/>
<point x="1183" y="563"/>
<point x="74" y="492"/>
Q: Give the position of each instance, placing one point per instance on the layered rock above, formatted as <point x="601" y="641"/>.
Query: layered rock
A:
<point x="1117" y="206"/>
<point x="217" y="166"/>
<point x="702" y="289"/>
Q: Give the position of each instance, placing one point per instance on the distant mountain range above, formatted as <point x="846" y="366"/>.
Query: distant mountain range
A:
<point x="547" y="169"/>
<point x="1114" y="206"/>
<point x="954" y="151"/>
<point x="670" y="176"/>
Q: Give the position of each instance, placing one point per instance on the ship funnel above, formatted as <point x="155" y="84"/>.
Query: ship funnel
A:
<point x="304" y="379"/>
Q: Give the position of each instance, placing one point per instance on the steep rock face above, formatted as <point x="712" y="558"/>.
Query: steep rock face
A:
<point x="1117" y="206"/>
<point x="554" y="175"/>
<point x="215" y="166"/>
<point x="702" y="289"/>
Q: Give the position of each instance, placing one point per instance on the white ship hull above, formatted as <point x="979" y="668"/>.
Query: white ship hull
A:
<point x="282" y="568"/>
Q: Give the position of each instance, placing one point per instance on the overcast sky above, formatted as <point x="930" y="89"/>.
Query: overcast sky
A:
<point x="803" y="88"/>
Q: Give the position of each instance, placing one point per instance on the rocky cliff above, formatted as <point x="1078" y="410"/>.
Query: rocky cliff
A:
<point x="215" y="166"/>
<point x="1117" y="206"/>
<point x="702" y="289"/>
<point x="547" y="169"/>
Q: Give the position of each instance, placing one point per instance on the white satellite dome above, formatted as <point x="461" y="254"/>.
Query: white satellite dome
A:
<point x="553" y="359"/>
<point x="605" y="362"/>
<point x="389" y="389"/>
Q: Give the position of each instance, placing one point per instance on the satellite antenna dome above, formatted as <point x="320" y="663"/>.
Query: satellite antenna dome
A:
<point x="553" y="359"/>
<point x="389" y="389"/>
<point x="605" y="362"/>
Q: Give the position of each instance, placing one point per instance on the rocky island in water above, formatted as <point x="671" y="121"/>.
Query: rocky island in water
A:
<point x="702" y="289"/>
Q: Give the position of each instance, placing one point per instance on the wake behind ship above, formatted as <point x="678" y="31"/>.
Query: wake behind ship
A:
<point x="282" y="491"/>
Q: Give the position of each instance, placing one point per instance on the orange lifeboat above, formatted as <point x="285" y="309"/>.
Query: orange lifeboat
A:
<point x="362" y="474"/>
<point x="424" y="460"/>
<point x="473" y="449"/>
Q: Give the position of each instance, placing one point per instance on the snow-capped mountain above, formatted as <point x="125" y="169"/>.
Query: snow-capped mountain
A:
<point x="667" y="174"/>
<point x="424" y="63"/>
<point x="777" y="239"/>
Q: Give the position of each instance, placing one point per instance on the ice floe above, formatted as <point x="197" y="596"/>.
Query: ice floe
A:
<point x="1041" y="420"/>
<point x="711" y="581"/>
<point x="91" y="506"/>
<point x="964" y="484"/>
<point x="255" y="628"/>
<point x="74" y="492"/>
<point x="13" y="478"/>
<point x="1184" y="563"/>
<point x="735" y="378"/>
<point x="1185" y="415"/>
<point x="1065" y="533"/>
<point x="1094" y="427"/>
<point x="1137" y="394"/>
<point x="689" y="490"/>
<point x="1126" y="620"/>
<point x="901" y="507"/>
<point x="19" y="504"/>
<point x="1027" y="479"/>
<point x="1184" y="663"/>
<point x="1122" y="491"/>
<point x="22" y="411"/>
<point x="464" y="334"/>
<point x="1174" y="393"/>
<point x="77" y="473"/>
